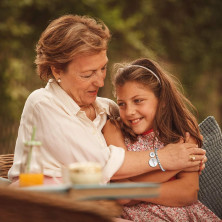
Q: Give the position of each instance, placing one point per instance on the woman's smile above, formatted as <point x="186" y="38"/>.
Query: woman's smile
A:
<point x="93" y="92"/>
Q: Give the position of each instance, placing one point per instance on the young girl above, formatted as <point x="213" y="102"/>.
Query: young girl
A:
<point x="153" y="113"/>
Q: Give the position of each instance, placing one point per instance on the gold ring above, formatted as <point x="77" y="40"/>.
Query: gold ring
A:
<point x="192" y="157"/>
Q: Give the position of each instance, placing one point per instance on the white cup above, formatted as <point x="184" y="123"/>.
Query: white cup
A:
<point x="85" y="173"/>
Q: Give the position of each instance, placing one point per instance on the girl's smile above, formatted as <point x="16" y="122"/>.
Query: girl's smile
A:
<point x="135" y="121"/>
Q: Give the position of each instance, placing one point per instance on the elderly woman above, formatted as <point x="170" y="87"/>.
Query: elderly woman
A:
<point x="68" y="115"/>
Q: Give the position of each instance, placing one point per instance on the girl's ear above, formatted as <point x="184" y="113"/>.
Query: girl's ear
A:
<point x="55" y="72"/>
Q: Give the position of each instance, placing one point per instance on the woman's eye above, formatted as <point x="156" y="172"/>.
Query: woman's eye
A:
<point x="104" y="68"/>
<point x="138" y="100"/>
<point x="86" y="77"/>
<point x="88" y="74"/>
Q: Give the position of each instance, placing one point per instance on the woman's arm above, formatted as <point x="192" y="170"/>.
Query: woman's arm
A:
<point x="179" y="192"/>
<point x="160" y="177"/>
<point x="114" y="136"/>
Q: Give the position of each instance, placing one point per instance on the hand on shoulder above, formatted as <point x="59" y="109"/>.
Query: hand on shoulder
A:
<point x="178" y="156"/>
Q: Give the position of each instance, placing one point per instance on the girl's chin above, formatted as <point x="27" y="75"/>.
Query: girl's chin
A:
<point x="138" y="132"/>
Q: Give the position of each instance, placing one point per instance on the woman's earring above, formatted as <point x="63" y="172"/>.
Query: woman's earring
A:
<point x="59" y="80"/>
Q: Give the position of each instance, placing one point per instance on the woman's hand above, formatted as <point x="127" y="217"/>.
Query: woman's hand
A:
<point x="198" y="168"/>
<point x="189" y="139"/>
<point x="178" y="156"/>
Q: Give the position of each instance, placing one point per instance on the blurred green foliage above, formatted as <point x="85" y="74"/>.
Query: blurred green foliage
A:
<point x="184" y="36"/>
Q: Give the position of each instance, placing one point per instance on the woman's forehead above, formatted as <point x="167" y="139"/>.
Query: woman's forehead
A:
<point x="90" y="62"/>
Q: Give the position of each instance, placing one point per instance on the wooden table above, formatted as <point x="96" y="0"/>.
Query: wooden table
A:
<point x="25" y="206"/>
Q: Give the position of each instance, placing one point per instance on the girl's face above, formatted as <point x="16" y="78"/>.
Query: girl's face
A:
<point x="137" y="105"/>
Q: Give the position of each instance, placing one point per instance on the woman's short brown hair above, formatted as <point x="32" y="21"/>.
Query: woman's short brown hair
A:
<point x="66" y="38"/>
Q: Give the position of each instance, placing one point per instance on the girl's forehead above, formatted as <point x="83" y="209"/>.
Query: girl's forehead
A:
<point x="132" y="89"/>
<point x="134" y="84"/>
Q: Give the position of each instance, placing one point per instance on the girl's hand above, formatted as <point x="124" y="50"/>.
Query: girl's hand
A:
<point x="128" y="202"/>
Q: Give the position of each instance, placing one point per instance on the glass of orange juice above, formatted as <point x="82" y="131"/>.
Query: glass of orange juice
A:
<point x="30" y="179"/>
<point x="31" y="170"/>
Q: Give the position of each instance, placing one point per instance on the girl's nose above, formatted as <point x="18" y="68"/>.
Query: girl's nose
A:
<point x="130" y="110"/>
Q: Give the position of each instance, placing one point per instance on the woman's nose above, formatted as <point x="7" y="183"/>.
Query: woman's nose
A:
<point x="99" y="79"/>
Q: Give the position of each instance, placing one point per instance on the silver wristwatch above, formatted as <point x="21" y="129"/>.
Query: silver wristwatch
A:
<point x="153" y="161"/>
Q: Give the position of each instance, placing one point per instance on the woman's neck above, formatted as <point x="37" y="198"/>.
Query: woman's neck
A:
<point x="89" y="111"/>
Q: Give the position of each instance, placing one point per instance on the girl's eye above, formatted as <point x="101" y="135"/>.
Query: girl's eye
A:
<point x="120" y="104"/>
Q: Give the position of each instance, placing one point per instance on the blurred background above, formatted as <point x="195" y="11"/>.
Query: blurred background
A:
<point x="185" y="37"/>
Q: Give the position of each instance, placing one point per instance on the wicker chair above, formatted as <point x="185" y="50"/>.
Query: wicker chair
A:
<point x="210" y="193"/>
<point x="6" y="161"/>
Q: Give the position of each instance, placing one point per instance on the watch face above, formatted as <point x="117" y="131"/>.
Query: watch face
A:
<point x="153" y="162"/>
<point x="152" y="154"/>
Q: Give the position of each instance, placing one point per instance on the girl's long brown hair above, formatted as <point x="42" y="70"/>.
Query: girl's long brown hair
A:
<point x="174" y="115"/>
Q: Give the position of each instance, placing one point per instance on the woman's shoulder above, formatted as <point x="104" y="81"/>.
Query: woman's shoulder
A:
<point x="105" y="100"/>
<point x="38" y="96"/>
<point x="105" y="103"/>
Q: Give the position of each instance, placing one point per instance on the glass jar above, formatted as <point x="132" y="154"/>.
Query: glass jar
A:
<point x="85" y="173"/>
<point x="31" y="169"/>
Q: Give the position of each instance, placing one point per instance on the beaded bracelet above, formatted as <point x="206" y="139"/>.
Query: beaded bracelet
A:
<point x="155" y="150"/>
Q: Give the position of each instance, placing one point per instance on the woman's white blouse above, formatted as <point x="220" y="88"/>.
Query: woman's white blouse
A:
<point x="67" y="135"/>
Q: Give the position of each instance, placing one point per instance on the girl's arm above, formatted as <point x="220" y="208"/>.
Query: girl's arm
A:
<point x="155" y="176"/>
<point x="182" y="191"/>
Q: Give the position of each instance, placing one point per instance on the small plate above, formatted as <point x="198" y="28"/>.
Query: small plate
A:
<point x="58" y="188"/>
<point x="110" y="191"/>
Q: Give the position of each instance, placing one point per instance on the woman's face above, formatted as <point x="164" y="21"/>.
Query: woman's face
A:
<point x="83" y="77"/>
<point x="137" y="106"/>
